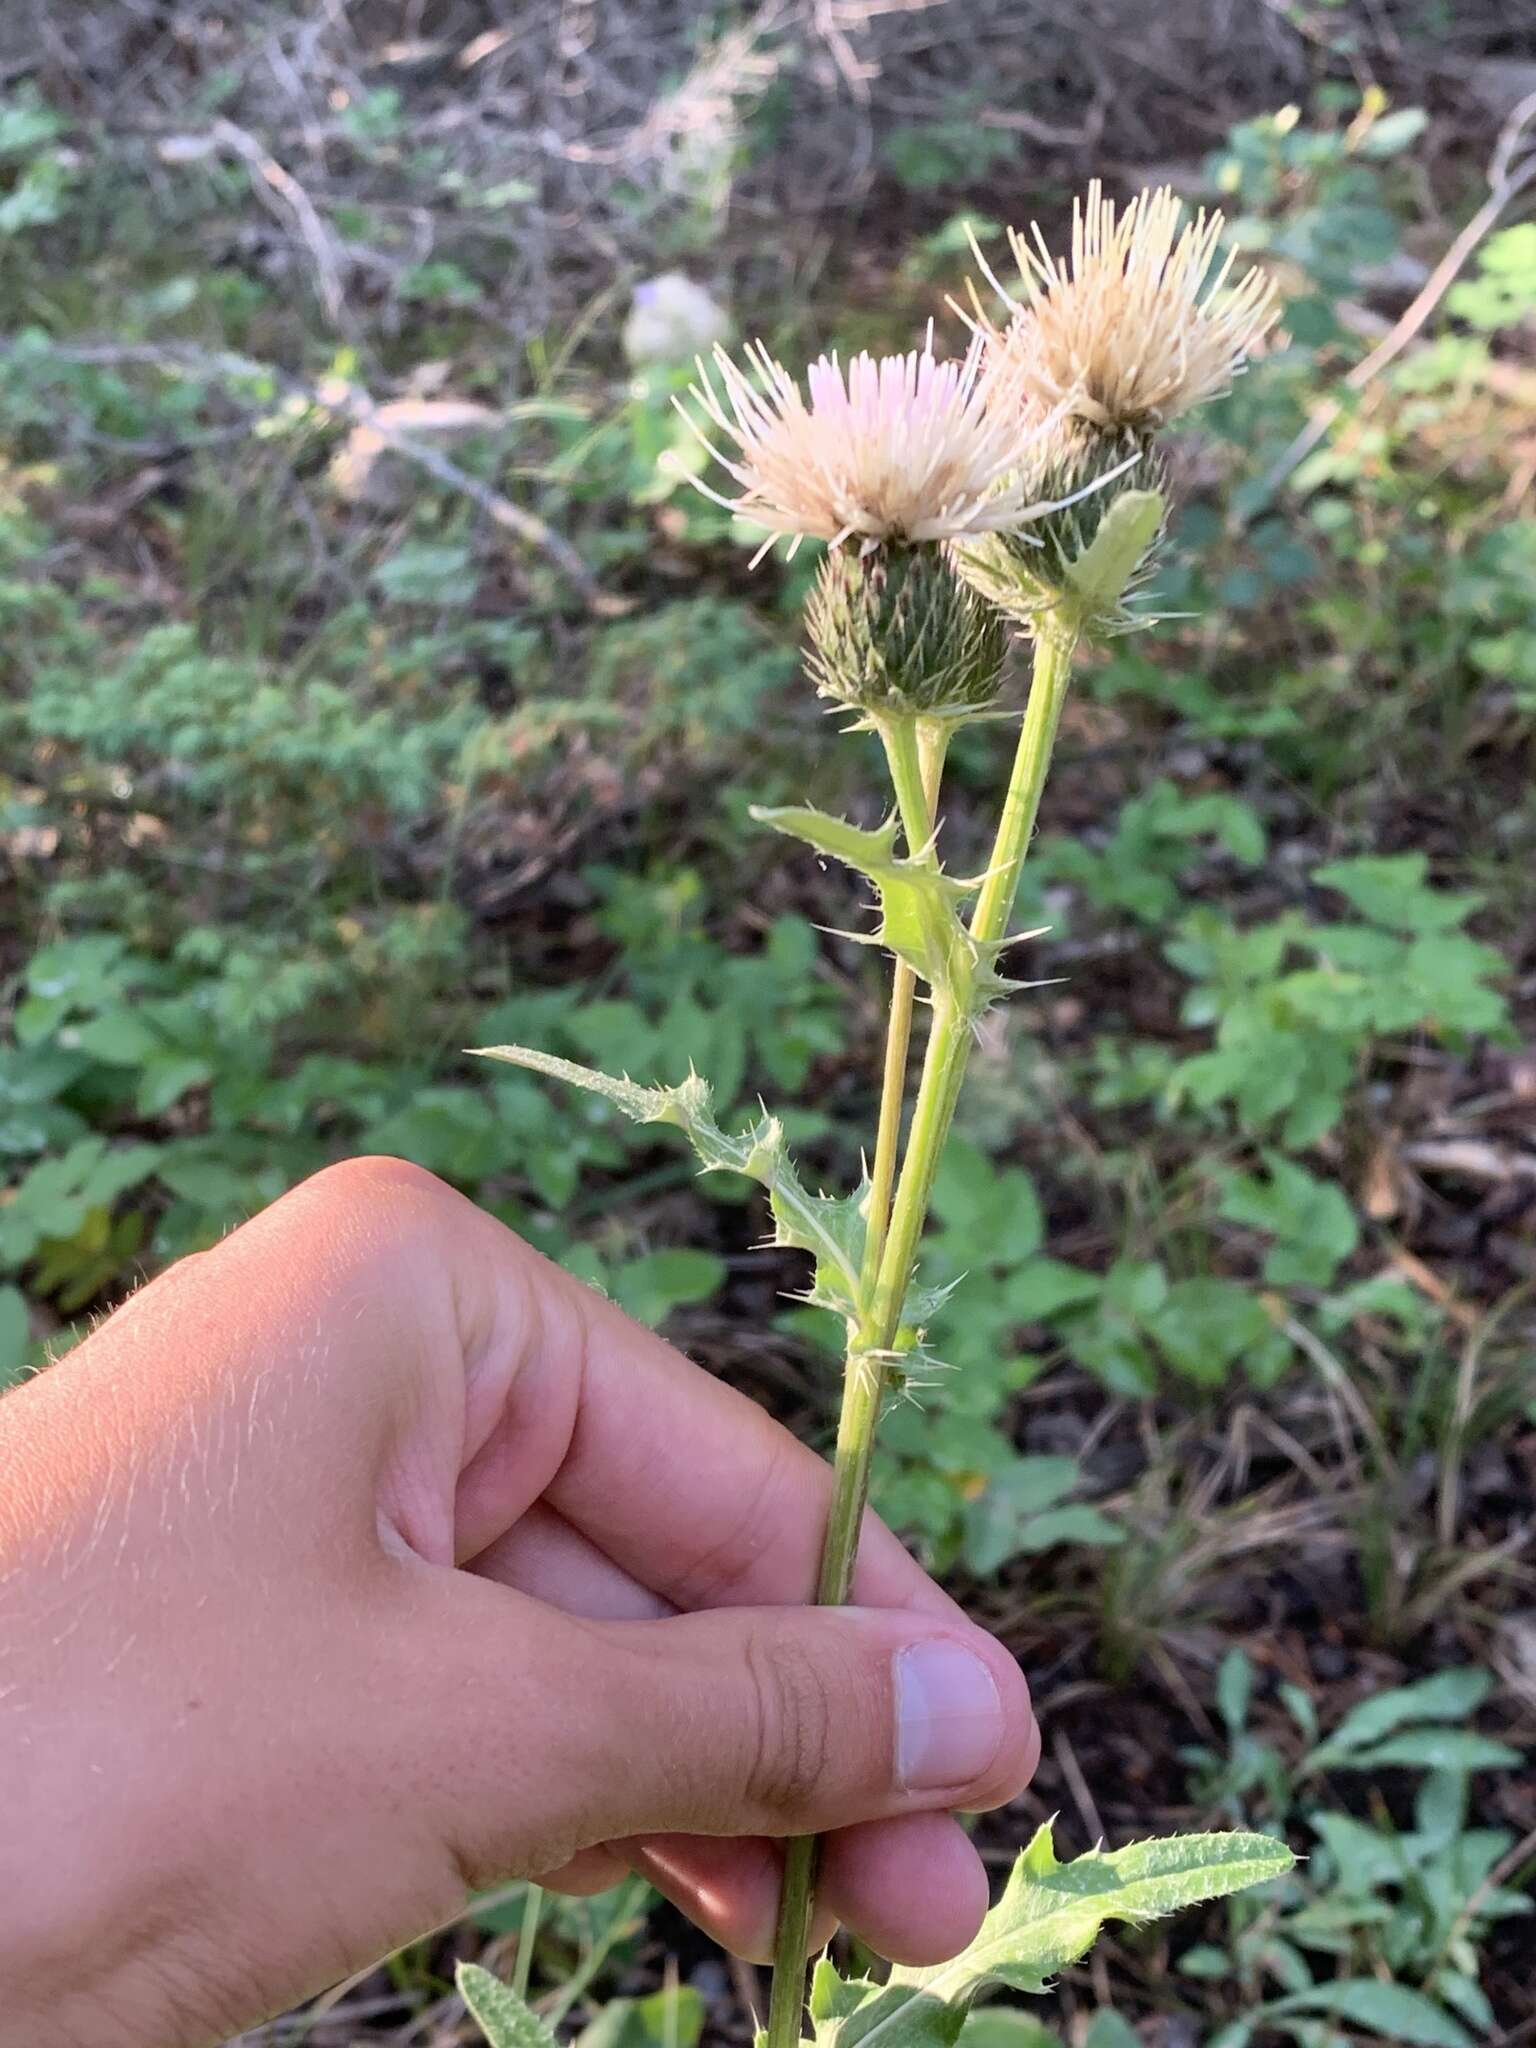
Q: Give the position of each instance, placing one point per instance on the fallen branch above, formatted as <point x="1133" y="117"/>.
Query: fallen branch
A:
<point x="357" y="409"/>
<point x="1507" y="179"/>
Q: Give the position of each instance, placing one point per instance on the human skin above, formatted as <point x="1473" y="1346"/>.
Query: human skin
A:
<point x="367" y="1561"/>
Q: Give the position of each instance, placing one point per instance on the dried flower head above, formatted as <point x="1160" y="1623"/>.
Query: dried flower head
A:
<point x="899" y="448"/>
<point x="1135" y="328"/>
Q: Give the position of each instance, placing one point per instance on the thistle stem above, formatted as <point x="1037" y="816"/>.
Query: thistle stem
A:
<point x="949" y="1042"/>
<point x="944" y="1064"/>
<point x="915" y="749"/>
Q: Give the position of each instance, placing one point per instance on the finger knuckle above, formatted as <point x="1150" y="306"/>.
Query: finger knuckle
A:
<point x="379" y="1179"/>
<point x="793" y="1724"/>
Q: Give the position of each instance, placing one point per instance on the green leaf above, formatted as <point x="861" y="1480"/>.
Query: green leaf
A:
<point x="830" y="1229"/>
<point x="1395" y="890"/>
<point x="671" y="2018"/>
<point x="1389" y="2009"/>
<point x="1313" y="1219"/>
<point x="1047" y="1918"/>
<point x="1005" y="2026"/>
<point x="1432" y="1749"/>
<point x="504" y="2019"/>
<point x="1205" y="1326"/>
<point x="650" y="1287"/>
<point x="428" y="572"/>
<point x="15" y="1335"/>
<point x="1234" y="1690"/>
<point x="920" y="920"/>
<point x="118" y="1038"/>
<point x="1392" y="133"/>
<point x="1108" y="2030"/>
<point x="1019" y="1512"/>
<point x="1448" y="1696"/>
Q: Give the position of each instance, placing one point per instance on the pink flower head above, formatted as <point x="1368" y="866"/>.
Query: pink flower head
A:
<point x="892" y="448"/>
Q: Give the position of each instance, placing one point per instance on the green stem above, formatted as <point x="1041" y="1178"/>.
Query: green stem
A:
<point x="915" y="749"/>
<point x="949" y="1044"/>
<point x="528" y="1933"/>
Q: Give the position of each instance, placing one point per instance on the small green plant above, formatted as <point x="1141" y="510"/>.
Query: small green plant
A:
<point x="1382" y="1928"/>
<point x="1297" y="1006"/>
<point x="1019" y="487"/>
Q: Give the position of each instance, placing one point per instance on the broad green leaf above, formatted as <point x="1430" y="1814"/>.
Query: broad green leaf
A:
<point x="920" y="920"/>
<point x="1392" y="2010"/>
<point x="1395" y="890"/>
<point x="1047" y="1918"/>
<point x="1108" y="2030"/>
<point x="650" y="1287"/>
<point x="1051" y="1911"/>
<point x="1203" y="1327"/>
<point x="1005" y="2026"/>
<point x="15" y="1335"/>
<point x="1448" y="1696"/>
<point x="1468" y="1998"/>
<point x="831" y="1230"/>
<point x="1234" y="1690"/>
<point x="504" y="2019"/>
<point x="834" y="1997"/>
<point x="664" y="2019"/>
<point x="1432" y="1749"/>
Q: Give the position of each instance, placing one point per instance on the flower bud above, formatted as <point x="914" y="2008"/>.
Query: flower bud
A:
<point x="894" y="630"/>
<point x="1034" y="570"/>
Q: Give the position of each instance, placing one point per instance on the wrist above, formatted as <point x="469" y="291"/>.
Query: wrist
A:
<point x="97" y="1868"/>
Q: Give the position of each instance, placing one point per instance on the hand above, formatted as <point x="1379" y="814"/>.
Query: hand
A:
<point x="367" y="1561"/>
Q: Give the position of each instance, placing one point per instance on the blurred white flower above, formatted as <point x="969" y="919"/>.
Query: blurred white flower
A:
<point x="671" y="320"/>
<point x="1134" y="329"/>
<point x="902" y="448"/>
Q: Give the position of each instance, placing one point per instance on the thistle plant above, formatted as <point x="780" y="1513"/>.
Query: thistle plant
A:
<point x="1017" y="491"/>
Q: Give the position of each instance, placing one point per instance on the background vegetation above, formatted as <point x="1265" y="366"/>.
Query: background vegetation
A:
<point x="370" y="686"/>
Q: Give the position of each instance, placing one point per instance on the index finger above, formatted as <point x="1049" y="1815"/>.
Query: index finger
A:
<point x="673" y="1474"/>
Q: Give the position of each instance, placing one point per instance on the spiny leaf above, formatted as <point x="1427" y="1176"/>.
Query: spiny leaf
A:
<point x="504" y="2019"/>
<point x="919" y="921"/>
<point x="1051" y="1911"/>
<point x="830" y="1229"/>
<point x="1047" y="1918"/>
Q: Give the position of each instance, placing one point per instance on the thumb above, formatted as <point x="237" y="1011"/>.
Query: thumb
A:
<point x="733" y="1721"/>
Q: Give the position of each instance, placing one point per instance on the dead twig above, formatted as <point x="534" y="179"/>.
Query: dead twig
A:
<point x="355" y="407"/>
<point x="280" y="190"/>
<point x="1510" y="172"/>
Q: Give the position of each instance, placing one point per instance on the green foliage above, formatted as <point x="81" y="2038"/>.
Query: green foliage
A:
<point x="1048" y="1916"/>
<point x="1143" y="864"/>
<point x="1381" y="1925"/>
<point x="672" y="2018"/>
<point x="1504" y="290"/>
<point x="1298" y="1006"/>
<point x="953" y="149"/>
<point x="35" y="174"/>
<point x="1489" y="588"/>
<point x="698" y="672"/>
<point x="232" y="733"/>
